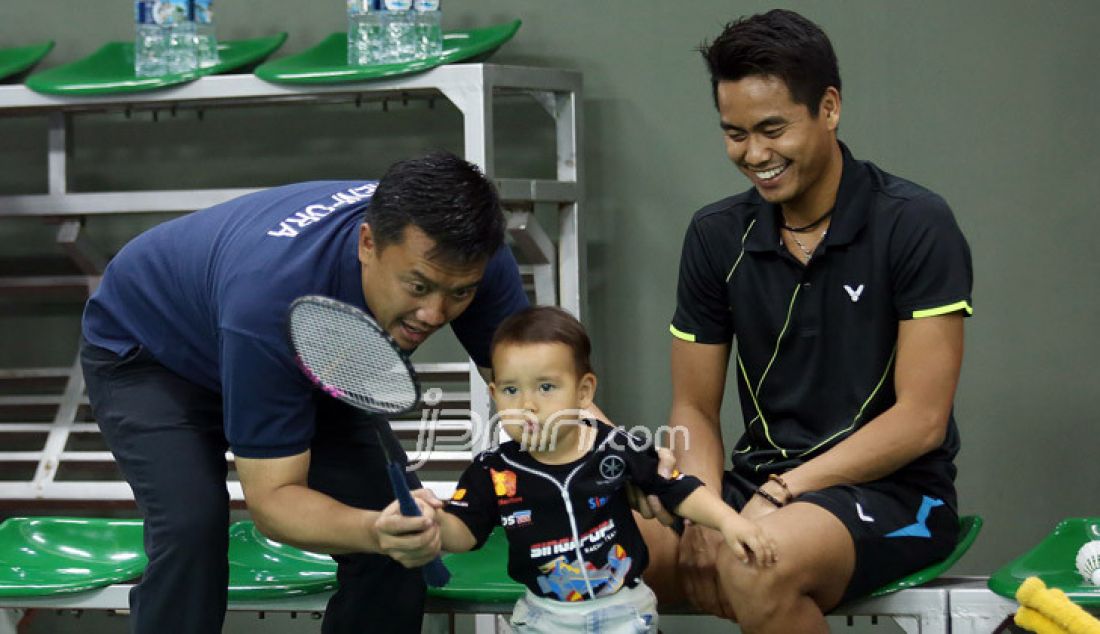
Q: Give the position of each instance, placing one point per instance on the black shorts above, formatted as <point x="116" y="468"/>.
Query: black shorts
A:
<point x="897" y="526"/>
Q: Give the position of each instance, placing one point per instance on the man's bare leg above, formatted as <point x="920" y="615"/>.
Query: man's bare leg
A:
<point x="816" y="560"/>
<point x="661" y="575"/>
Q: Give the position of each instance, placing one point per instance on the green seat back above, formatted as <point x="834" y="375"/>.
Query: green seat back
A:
<point x="1054" y="561"/>
<point x="327" y="61"/>
<point x="110" y="70"/>
<point x="14" y="61"/>
<point x="51" y="555"/>
<point x="260" y="568"/>
<point x="480" y="576"/>
<point x="969" y="527"/>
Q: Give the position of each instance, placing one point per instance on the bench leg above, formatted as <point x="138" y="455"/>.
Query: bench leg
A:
<point x="924" y="623"/>
<point x="976" y="610"/>
<point x="9" y="620"/>
<point x="491" y="624"/>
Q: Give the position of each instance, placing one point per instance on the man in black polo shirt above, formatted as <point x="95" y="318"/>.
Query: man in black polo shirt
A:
<point x="845" y="288"/>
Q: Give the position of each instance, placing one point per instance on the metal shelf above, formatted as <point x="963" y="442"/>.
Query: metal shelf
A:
<point x="551" y="270"/>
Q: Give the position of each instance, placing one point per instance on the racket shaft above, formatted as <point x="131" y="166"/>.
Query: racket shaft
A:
<point x="435" y="573"/>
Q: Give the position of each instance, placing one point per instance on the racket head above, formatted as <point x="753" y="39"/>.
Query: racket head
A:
<point x="349" y="356"/>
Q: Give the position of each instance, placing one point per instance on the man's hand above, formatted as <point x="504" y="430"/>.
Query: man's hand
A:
<point x="649" y="506"/>
<point x="411" y="541"/>
<point x="696" y="560"/>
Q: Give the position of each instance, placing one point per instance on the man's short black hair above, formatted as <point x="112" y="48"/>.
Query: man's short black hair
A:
<point x="779" y="43"/>
<point x="447" y="198"/>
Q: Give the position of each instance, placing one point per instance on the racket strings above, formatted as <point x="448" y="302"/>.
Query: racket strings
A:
<point x="350" y="358"/>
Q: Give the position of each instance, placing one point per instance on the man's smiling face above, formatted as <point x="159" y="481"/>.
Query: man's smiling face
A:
<point x="775" y="142"/>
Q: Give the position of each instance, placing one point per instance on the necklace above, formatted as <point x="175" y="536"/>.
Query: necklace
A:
<point x="801" y="247"/>
<point x="809" y="227"/>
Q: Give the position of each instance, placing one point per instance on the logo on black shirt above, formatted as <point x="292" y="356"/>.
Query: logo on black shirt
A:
<point x="612" y="467"/>
<point x="519" y="518"/>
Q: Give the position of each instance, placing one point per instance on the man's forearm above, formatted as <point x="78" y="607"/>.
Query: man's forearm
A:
<point x="701" y="453"/>
<point x="929" y="356"/>
<point x="310" y="520"/>
<point x="895" y="438"/>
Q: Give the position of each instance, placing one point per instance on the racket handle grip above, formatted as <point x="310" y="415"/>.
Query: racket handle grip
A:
<point x="401" y="491"/>
<point x="435" y="573"/>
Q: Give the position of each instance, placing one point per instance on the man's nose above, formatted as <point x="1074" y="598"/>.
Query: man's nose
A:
<point x="432" y="312"/>
<point x="757" y="151"/>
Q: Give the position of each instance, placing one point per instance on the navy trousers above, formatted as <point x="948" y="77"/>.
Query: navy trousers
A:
<point x="166" y="434"/>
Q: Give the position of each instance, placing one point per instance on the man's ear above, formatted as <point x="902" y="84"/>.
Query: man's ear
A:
<point x="367" y="245"/>
<point x="830" y="108"/>
<point x="586" y="389"/>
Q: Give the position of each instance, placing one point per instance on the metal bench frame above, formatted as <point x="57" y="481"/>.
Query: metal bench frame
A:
<point x="956" y="605"/>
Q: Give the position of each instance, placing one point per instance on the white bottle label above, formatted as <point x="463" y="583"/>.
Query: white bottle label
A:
<point x="427" y="5"/>
<point x="398" y="5"/>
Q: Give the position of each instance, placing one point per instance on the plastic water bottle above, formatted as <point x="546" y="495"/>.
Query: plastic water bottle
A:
<point x="206" y="43"/>
<point x="365" y="32"/>
<point x="400" y="45"/>
<point x="428" y="28"/>
<point x="180" y="55"/>
<point x="149" y="41"/>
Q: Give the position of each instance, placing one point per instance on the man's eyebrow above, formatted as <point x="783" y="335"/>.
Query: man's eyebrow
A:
<point x="429" y="282"/>
<point x="766" y="122"/>
<point x="771" y="121"/>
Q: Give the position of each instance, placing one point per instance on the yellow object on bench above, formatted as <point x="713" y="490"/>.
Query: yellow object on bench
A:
<point x="1050" y="610"/>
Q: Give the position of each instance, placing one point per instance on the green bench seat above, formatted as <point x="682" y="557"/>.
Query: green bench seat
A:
<point x="52" y="555"/>
<point x="481" y="576"/>
<point x="969" y="527"/>
<point x="261" y="569"/>
<point x="42" y="556"/>
<point x="1053" y="561"/>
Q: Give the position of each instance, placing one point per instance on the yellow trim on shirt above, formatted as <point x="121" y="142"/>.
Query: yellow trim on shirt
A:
<point x="943" y="310"/>
<point x="680" y="334"/>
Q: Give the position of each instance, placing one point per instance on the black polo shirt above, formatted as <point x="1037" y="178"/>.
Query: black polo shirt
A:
<point x="571" y="533"/>
<point x="816" y="345"/>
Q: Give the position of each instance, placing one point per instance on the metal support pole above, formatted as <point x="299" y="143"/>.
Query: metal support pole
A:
<point x="59" y="148"/>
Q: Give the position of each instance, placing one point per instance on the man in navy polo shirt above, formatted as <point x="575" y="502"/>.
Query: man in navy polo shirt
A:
<point x="185" y="356"/>
<point x="845" y="289"/>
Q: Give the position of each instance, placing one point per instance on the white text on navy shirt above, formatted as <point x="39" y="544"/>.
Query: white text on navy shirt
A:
<point x="317" y="211"/>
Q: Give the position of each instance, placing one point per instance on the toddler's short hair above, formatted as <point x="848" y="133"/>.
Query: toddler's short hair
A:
<point x="547" y="324"/>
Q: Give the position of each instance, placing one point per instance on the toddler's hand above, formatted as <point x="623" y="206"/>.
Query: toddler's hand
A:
<point x="749" y="542"/>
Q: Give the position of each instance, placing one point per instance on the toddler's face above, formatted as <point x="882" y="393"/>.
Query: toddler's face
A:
<point x="537" y="391"/>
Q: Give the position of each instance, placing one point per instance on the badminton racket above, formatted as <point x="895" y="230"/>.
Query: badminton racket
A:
<point x="350" y="357"/>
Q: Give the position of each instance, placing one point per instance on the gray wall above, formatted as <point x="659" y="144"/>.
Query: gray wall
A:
<point x="984" y="102"/>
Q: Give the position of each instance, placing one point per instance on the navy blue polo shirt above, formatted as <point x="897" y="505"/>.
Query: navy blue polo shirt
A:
<point x="816" y="344"/>
<point x="207" y="295"/>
